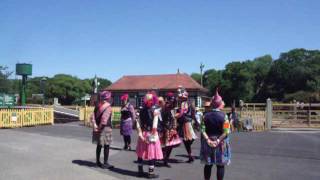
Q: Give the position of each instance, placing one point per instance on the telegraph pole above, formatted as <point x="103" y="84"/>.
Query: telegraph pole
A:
<point x="201" y="72"/>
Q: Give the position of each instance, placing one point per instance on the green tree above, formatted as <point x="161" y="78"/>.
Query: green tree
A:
<point x="196" y="77"/>
<point x="67" y="88"/>
<point x="212" y="79"/>
<point x="294" y="73"/>
<point x="4" y="79"/>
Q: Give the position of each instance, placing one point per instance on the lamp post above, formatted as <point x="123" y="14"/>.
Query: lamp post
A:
<point x="42" y="86"/>
<point x="201" y="71"/>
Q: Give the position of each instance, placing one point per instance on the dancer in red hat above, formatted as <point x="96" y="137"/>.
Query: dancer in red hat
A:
<point x="148" y="146"/>
<point x="128" y="116"/>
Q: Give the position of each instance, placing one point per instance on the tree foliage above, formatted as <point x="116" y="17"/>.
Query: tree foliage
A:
<point x="294" y="75"/>
<point x="68" y="89"/>
<point x="4" y="81"/>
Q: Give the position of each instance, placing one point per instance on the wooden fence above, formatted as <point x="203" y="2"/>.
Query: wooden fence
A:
<point x="13" y="118"/>
<point x="295" y="115"/>
<point x="86" y="114"/>
<point x="272" y="115"/>
<point x="256" y="113"/>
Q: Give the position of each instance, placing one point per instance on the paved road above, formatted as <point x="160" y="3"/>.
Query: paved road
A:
<point x="64" y="151"/>
<point x="66" y="111"/>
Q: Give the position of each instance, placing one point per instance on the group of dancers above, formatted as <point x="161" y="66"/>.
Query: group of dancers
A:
<point x="163" y="124"/>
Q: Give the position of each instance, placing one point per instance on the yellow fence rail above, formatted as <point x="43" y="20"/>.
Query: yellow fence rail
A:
<point x="86" y="113"/>
<point x="13" y="118"/>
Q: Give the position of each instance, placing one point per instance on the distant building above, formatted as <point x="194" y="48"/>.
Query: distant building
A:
<point x="138" y="86"/>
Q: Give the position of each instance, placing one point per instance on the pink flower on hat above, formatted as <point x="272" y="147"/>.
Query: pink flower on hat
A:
<point x="150" y="99"/>
<point x="124" y="97"/>
<point x="216" y="100"/>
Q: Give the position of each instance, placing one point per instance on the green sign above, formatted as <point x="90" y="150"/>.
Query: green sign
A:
<point x="7" y="100"/>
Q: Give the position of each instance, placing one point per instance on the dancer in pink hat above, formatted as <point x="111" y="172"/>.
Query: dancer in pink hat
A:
<point x="215" y="146"/>
<point x="102" y="128"/>
<point x="148" y="146"/>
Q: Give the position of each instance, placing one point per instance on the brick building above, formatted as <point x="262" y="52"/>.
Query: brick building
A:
<point x="138" y="86"/>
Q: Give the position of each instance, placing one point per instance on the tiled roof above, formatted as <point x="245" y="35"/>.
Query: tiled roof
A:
<point x="161" y="82"/>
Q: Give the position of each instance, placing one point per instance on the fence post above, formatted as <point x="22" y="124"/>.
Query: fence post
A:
<point x="309" y="112"/>
<point x="295" y="114"/>
<point x="269" y="114"/>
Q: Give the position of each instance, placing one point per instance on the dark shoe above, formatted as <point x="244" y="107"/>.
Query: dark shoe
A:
<point x="190" y="160"/>
<point x="166" y="164"/>
<point x="140" y="171"/>
<point x="107" y="166"/>
<point x="99" y="164"/>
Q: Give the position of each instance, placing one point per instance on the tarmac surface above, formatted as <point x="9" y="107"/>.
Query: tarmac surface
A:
<point x="65" y="151"/>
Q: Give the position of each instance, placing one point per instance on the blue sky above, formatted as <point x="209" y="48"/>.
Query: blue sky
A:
<point x="112" y="38"/>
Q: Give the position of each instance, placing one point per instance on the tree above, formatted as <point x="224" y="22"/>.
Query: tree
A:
<point x="67" y="88"/>
<point x="103" y="83"/>
<point x="295" y="71"/>
<point x="4" y="81"/>
<point x="196" y="77"/>
<point x="212" y="79"/>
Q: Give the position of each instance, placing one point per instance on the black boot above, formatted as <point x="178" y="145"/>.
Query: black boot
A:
<point x="106" y="165"/>
<point x="191" y="159"/>
<point x="166" y="164"/>
<point x="98" y="151"/>
<point x="151" y="174"/>
<point x="140" y="171"/>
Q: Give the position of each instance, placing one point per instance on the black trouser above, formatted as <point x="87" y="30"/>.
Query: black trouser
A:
<point x="187" y="145"/>
<point x="166" y="152"/>
<point x="127" y="140"/>
<point x="207" y="172"/>
<point x="105" y="153"/>
<point x="151" y="164"/>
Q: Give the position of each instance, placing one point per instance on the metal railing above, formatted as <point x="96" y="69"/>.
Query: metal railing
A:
<point x="21" y="117"/>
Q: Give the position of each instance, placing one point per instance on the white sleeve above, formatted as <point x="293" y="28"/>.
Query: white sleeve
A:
<point x="156" y="115"/>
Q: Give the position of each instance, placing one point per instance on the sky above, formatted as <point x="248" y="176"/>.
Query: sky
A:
<point x="112" y="38"/>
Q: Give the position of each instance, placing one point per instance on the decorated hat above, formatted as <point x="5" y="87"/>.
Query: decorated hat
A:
<point x="105" y="95"/>
<point x="216" y="100"/>
<point x="124" y="97"/>
<point x="182" y="93"/>
<point x="150" y="99"/>
<point x="170" y="96"/>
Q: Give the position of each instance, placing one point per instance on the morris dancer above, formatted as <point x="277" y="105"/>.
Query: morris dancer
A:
<point x="148" y="146"/>
<point x="185" y="115"/>
<point x="169" y="136"/>
<point x="102" y="128"/>
<point x="128" y="116"/>
<point x="215" y="146"/>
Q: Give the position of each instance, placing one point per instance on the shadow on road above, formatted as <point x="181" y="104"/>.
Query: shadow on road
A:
<point x="124" y="172"/>
<point x="159" y="163"/>
<point x="116" y="148"/>
<point x="186" y="156"/>
<point x="117" y="170"/>
<point x="84" y="163"/>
